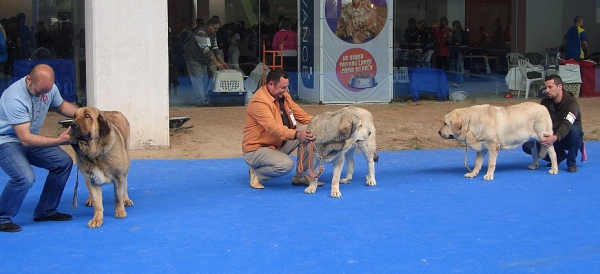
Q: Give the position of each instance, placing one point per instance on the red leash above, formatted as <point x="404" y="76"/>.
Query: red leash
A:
<point x="310" y="160"/>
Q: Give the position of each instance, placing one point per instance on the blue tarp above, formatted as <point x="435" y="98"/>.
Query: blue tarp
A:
<point x="428" y="80"/>
<point x="64" y="71"/>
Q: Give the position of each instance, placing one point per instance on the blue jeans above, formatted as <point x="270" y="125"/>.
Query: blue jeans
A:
<point x="567" y="148"/>
<point x="571" y="143"/>
<point x="199" y="77"/>
<point x="17" y="160"/>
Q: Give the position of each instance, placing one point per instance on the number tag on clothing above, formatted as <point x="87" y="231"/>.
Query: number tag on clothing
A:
<point x="571" y="117"/>
<point x="292" y="119"/>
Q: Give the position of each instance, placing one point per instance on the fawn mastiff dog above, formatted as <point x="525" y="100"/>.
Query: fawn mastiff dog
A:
<point x="101" y="143"/>
<point x="337" y="134"/>
<point x="489" y="128"/>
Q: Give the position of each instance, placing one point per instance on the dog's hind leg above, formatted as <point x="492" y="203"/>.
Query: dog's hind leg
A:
<point x="535" y="156"/>
<point x="552" y="154"/>
<point x="368" y="150"/>
<point x="349" y="157"/>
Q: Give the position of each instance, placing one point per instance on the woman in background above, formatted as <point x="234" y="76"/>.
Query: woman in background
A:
<point x="286" y="39"/>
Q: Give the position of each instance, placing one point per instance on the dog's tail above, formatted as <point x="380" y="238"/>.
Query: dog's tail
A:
<point x="375" y="157"/>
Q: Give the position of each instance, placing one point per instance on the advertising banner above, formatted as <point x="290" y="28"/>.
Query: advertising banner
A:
<point x="355" y="52"/>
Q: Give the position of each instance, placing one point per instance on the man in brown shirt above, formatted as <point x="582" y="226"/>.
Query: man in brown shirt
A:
<point x="275" y="125"/>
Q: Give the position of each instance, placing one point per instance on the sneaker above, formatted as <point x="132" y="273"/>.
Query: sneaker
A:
<point x="10" y="227"/>
<point x="254" y="182"/>
<point x="203" y="104"/>
<point x="572" y="168"/>
<point x="54" y="217"/>
<point x="456" y="85"/>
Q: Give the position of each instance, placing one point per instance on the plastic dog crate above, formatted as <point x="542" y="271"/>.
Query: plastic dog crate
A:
<point x="574" y="88"/>
<point x="228" y="87"/>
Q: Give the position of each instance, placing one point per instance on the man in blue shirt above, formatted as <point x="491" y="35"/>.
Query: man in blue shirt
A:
<point x="23" y="109"/>
<point x="576" y="41"/>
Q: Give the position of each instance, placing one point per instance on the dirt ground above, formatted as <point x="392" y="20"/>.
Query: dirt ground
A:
<point x="217" y="131"/>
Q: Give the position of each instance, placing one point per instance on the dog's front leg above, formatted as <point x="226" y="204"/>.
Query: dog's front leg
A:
<point x="478" y="162"/>
<point x="95" y="198"/>
<point x="349" y="157"/>
<point x="338" y="163"/>
<point x="489" y="176"/>
<point x="120" y="184"/>
<point x="312" y="186"/>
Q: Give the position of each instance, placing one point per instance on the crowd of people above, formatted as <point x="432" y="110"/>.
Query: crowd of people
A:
<point x="449" y="43"/>
<point x="234" y="46"/>
<point x="48" y="41"/>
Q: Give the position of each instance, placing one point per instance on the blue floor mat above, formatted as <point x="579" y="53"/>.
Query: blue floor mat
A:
<point x="200" y="216"/>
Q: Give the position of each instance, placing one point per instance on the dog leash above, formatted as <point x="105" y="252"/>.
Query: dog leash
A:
<point x="74" y="201"/>
<point x="310" y="160"/>
<point x="467" y="154"/>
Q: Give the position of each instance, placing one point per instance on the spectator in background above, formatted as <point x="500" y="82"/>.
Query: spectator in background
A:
<point x="498" y="35"/>
<point x="410" y="30"/>
<point x="286" y="39"/>
<point x="13" y="43"/>
<point x="442" y="39"/>
<point x="201" y="51"/>
<point x="482" y="38"/>
<point x="3" y="47"/>
<point x="199" y="23"/>
<point x="460" y="40"/>
<point x="421" y="34"/>
<point x="235" y="40"/>
<point x="576" y="41"/>
<point x="25" y="36"/>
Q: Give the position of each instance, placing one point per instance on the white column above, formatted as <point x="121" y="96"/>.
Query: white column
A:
<point x="127" y="65"/>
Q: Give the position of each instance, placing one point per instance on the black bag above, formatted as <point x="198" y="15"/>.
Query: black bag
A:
<point x="534" y="74"/>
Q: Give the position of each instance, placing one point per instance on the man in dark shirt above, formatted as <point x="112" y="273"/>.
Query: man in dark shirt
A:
<point x="566" y="123"/>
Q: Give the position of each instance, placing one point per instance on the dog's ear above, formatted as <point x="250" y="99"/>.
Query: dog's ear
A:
<point x="348" y="126"/>
<point x="104" y="126"/>
<point x="460" y="122"/>
<point x="457" y="124"/>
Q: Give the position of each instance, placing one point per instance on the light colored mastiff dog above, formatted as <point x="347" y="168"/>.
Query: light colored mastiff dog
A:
<point x="337" y="134"/>
<point x="489" y="128"/>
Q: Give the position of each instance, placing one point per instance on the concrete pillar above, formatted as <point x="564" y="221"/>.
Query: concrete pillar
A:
<point x="127" y="65"/>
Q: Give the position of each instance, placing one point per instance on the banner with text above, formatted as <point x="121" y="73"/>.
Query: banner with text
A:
<point x="345" y="51"/>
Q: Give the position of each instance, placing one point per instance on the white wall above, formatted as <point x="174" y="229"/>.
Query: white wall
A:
<point x="127" y="65"/>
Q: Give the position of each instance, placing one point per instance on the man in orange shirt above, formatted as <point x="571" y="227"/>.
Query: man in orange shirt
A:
<point x="275" y="125"/>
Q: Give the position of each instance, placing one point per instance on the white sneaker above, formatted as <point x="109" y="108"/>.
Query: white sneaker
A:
<point x="456" y="85"/>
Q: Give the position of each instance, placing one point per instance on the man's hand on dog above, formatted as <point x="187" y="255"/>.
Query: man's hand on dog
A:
<point x="305" y="136"/>
<point x="64" y="138"/>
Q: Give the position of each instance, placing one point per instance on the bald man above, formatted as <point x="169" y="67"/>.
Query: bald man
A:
<point x="23" y="109"/>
